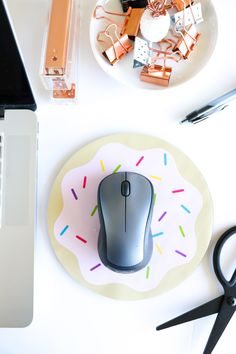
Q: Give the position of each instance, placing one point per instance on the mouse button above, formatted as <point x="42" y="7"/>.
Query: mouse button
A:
<point x="139" y="181"/>
<point x="110" y="186"/>
<point x="125" y="188"/>
<point x="138" y="207"/>
<point x="111" y="201"/>
<point x="139" y="203"/>
<point x="112" y="208"/>
<point x="142" y="189"/>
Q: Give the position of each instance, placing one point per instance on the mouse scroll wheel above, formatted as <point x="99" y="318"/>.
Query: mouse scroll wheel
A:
<point x="125" y="188"/>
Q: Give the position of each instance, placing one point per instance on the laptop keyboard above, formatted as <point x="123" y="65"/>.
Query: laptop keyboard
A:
<point x="17" y="180"/>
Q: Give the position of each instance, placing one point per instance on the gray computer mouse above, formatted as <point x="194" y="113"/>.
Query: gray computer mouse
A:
<point x="125" y="205"/>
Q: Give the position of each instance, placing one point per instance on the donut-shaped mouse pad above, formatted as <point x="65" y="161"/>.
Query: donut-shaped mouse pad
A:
<point x="181" y="223"/>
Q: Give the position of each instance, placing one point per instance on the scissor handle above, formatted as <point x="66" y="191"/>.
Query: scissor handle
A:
<point x="216" y="259"/>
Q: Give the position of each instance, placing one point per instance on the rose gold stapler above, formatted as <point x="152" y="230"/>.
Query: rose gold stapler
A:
<point x="59" y="62"/>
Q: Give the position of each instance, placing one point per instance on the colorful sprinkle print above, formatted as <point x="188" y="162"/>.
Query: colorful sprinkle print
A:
<point x="181" y="231"/>
<point x="140" y="160"/>
<point x="95" y="267"/>
<point x="116" y="169"/>
<point x="156" y="177"/>
<point x="84" y="182"/>
<point x="178" y="191"/>
<point x="185" y="208"/>
<point x="74" y="194"/>
<point x="159" y="234"/>
<point x="64" y="230"/>
<point x="181" y="253"/>
<point x="165" y="159"/>
<point x="94" y="210"/>
<point x="162" y="216"/>
<point x="159" y="249"/>
<point x="102" y="165"/>
<point x="81" y="239"/>
<point x="154" y="198"/>
<point x="147" y="272"/>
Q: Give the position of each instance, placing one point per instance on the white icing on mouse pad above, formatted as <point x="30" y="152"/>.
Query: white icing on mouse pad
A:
<point x="177" y="206"/>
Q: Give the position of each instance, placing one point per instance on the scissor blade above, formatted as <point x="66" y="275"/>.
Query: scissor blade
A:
<point x="221" y="322"/>
<point x="207" y="309"/>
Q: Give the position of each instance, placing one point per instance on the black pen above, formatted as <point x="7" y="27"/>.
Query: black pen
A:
<point x="212" y="107"/>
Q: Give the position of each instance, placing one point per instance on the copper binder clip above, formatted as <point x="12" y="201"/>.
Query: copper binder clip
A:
<point x="182" y="4"/>
<point x="156" y="74"/>
<point x="133" y="3"/>
<point x="118" y="48"/>
<point x="132" y="22"/>
<point x="187" y="43"/>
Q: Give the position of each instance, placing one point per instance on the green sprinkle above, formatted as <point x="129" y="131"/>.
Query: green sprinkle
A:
<point x="94" y="210"/>
<point x="116" y="169"/>
<point x="181" y="230"/>
<point x="154" y="198"/>
<point x="147" y="272"/>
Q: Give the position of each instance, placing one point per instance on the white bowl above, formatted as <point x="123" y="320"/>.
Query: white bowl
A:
<point x="183" y="71"/>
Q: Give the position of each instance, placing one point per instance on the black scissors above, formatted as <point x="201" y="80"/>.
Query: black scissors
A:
<point x="224" y="305"/>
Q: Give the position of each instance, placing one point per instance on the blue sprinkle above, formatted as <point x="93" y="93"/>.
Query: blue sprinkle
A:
<point x="64" y="230"/>
<point x="159" y="234"/>
<point x="185" y="208"/>
<point x="165" y="159"/>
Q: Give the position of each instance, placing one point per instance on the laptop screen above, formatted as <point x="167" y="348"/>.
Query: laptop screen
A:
<point x="15" y="91"/>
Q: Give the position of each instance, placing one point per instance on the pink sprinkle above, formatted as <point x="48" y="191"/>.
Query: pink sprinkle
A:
<point x="140" y="160"/>
<point x="84" y="182"/>
<point x="95" y="267"/>
<point x="74" y="194"/>
<point x="81" y="239"/>
<point x="162" y="216"/>
<point x="178" y="191"/>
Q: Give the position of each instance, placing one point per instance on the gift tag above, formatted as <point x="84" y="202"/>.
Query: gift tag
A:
<point x="192" y="14"/>
<point x="142" y="54"/>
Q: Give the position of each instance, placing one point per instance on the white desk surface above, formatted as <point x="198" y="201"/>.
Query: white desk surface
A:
<point x="69" y="319"/>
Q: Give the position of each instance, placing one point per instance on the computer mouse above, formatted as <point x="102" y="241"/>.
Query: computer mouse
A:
<point x="125" y="205"/>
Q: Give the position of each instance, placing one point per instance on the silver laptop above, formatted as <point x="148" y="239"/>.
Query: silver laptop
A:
<point x="18" y="162"/>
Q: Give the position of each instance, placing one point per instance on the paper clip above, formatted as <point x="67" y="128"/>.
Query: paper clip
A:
<point x="181" y="4"/>
<point x="133" y="3"/>
<point x="187" y="43"/>
<point x="118" y="48"/>
<point x="131" y="23"/>
<point x="191" y="15"/>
